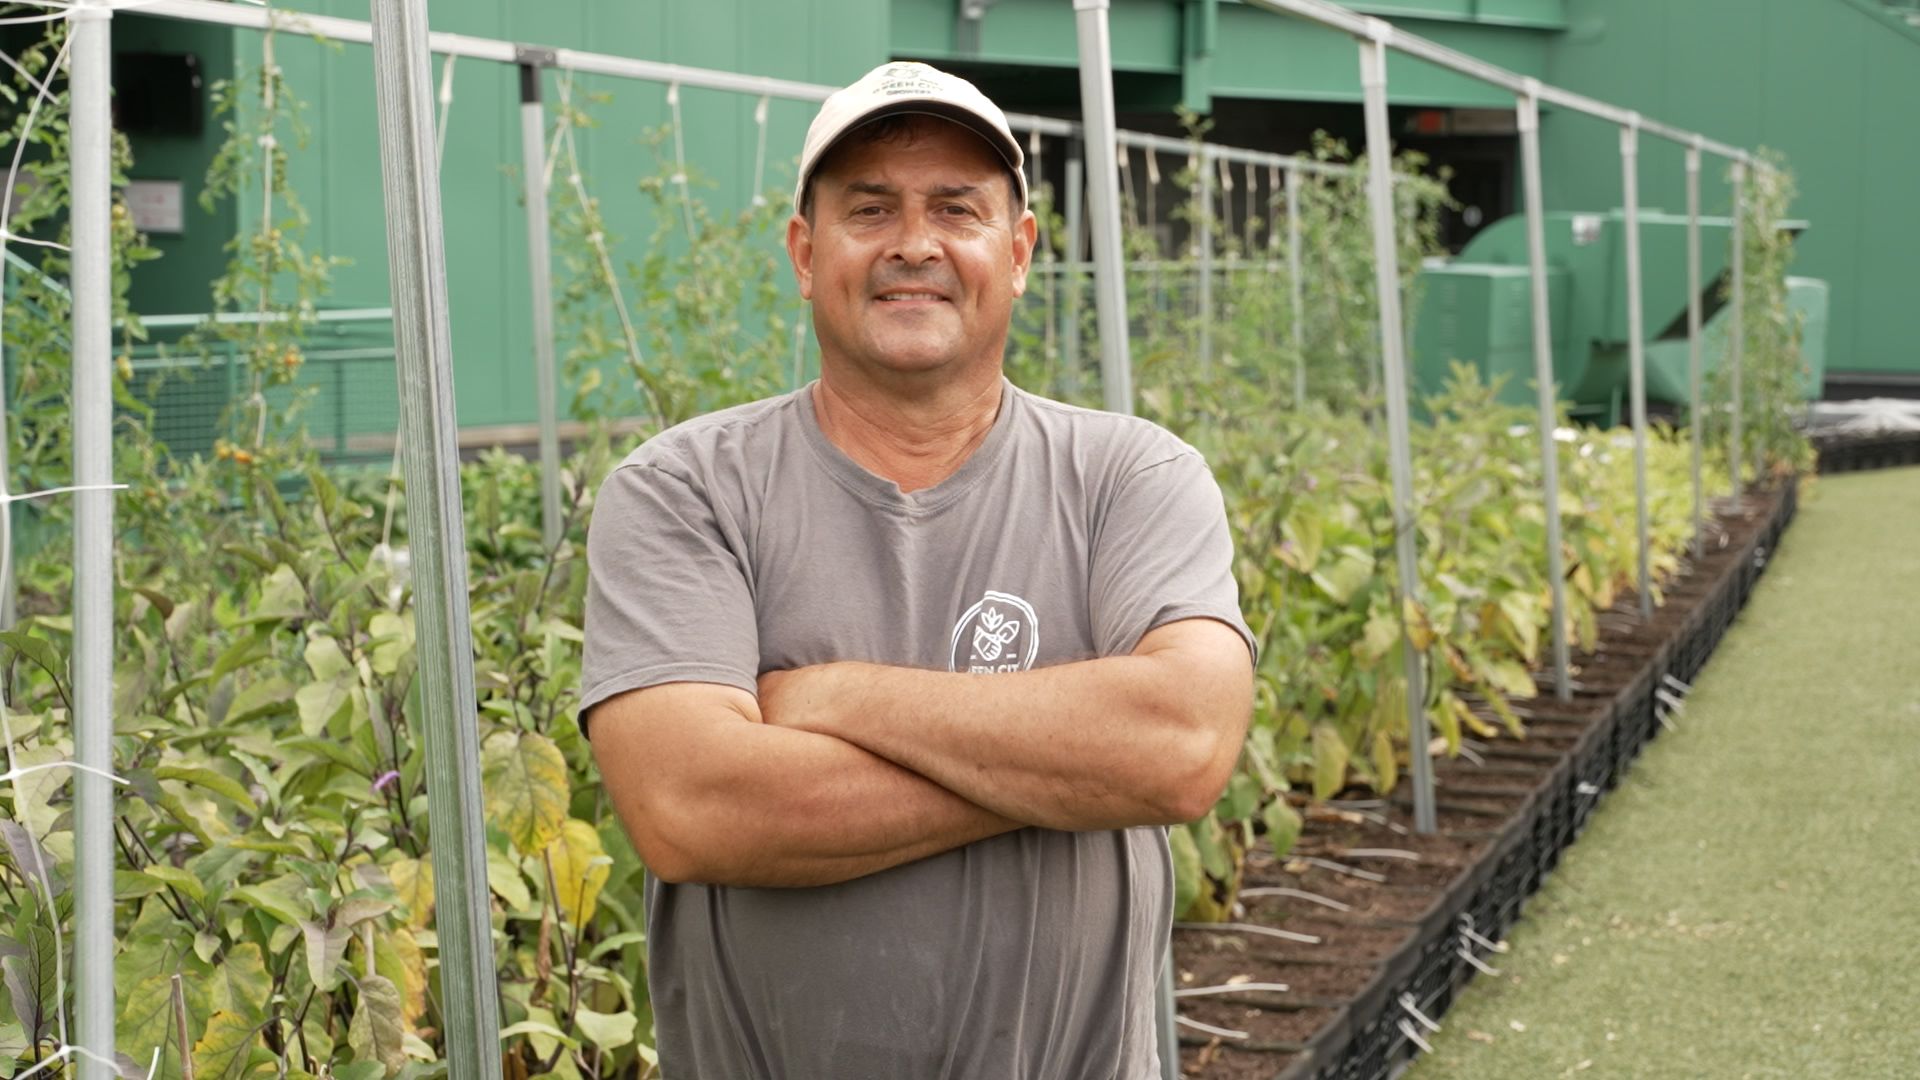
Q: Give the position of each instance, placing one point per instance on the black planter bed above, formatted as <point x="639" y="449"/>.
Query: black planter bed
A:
<point x="1853" y="453"/>
<point x="1421" y="915"/>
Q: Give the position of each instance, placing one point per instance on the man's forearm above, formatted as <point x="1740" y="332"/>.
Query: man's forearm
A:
<point x="743" y="803"/>
<point x="1108" y="743"/>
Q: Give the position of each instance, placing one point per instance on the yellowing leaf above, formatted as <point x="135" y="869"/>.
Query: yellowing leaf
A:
<point x="525" y="778"/>
<point x="320" y="702"/>
<point x="1344" y="574"/>
<point x="377" y="1030"/>
<point x="413" y="880"/>
<point x="397" y="956"/>
<point x="221" y="1053"/>
<point x="608" y="1031"/>
<point x="1283" y="826"/>
<point x="1386" y="766"/>
<point x="1419" y="631"/>
<point x="1329" y="762"/>
<point x="580" y="869"/>
<point x="242" y="985"/>
<point x="398" y="630"/>
<point x="146" y="1018"/>
<point x="325" y="659"/>
<point x="1510" y="678"/>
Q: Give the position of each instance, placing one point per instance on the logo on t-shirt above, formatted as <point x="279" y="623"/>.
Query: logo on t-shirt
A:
<point x="999" y="633"/>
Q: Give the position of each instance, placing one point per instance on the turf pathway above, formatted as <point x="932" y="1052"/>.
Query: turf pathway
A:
<point x="1747" y="903"/>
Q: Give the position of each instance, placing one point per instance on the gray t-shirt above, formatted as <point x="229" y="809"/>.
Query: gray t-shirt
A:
<point x="744" y="542"/>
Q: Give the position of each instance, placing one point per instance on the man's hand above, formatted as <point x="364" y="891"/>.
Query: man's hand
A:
<point x="1144" y="739"/>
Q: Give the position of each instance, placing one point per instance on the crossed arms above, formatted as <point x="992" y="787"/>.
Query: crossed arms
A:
<point x="841" y="770"/>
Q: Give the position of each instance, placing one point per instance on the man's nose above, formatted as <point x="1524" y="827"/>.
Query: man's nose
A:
<point x="916" y="242"/>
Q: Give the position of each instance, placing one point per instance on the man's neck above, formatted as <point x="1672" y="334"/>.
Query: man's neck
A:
<point x="916" y="442"/>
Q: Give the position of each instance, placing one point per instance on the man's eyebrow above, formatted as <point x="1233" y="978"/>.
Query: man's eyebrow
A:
<point x="869" y="187"/>
<point x="954" y="191"/>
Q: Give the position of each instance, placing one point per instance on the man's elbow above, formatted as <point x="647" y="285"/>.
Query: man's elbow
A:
<point x="1199" y="774"/>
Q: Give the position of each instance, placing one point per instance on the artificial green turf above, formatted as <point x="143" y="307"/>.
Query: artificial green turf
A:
<point x="1747" y="903"/>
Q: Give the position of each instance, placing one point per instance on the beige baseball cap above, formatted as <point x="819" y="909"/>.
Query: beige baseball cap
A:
<point x="909" y="87"/>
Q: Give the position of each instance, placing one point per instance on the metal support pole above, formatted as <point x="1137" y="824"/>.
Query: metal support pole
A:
<point x="1110" y="287"/>
<point x="1386" y="276"/>
<point x="1545" y="390"/>
<point x="1203" y="222"/>
<point x="1737" y="319"/>
<point x="1296" y="291"/>
<point x="416" y="256"/>
<point x="1693" y="342"/>
<point x="533" y="165"/>
<point x="91" y="135"/>
<point x="1070" y="269"/>
<point x="1636" y="353"/>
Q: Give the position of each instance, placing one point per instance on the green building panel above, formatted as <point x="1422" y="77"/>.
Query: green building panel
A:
<point x="1830" y="83"/>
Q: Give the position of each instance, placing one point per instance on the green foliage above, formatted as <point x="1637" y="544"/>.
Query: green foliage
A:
<point x="1773" y="370"/>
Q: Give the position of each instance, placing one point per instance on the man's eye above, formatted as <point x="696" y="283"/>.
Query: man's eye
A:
<point x="956" y="210"/>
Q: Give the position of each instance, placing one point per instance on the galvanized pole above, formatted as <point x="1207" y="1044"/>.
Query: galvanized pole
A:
<point x="416" y="257"/>
<point x="533" y="164"/>
<point x="1203" y="221"/>
<point x="1386" y="276"/>
<point x="1737" y="318"/>
<point x="1070" y="269"/>
<point x="1636" y="352"/>
<point x="1693" y="342"/>
<point x="90" y="138"/>
<point x="1110" y="310"/>
<point x="1103" y="189"/>
<point x="1296" y="291"/>
<point x="1545" y="391"/>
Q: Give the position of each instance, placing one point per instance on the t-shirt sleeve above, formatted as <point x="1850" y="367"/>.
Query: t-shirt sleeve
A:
<point x="1163" y="553"/>
<point x="667" y="595"/>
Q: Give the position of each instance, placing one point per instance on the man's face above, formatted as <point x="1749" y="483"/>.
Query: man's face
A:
<point x="914" y="257"/>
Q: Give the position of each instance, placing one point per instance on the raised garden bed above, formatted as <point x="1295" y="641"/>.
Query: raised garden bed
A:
<point x="1854" y="453"/>
<point x="1402" y="921"/>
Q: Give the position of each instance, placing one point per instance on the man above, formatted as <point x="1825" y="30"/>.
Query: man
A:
<point x="895" y="680"/>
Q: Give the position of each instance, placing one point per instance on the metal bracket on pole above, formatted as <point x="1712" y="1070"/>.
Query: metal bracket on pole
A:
<point x="1545" y="390"/>
<point x="1636" y="352"/>
<point x="424" y="360"/>
<point x="1386" y="272"/>
<point x="1737" y="331"/>
<point x="91" y="134"/>
<point x="1694" y="418"/>
<point x="533" y="148"/>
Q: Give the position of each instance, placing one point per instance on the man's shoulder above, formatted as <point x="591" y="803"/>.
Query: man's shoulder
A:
<point x="1117" y="441"/>
<point x="689" y="450"/>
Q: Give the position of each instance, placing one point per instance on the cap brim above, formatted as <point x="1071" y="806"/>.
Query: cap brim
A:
<point x="1009" y="152"/>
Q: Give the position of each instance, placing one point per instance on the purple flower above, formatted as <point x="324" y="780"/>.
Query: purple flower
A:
<point x="386" y="778"/>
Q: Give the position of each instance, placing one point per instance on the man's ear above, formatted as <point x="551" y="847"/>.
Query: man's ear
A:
<point x="1025" y="232"/>
<point x="800" y="253"/>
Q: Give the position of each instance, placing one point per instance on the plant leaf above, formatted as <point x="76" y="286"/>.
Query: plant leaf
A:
<point x="1283" y="826"/>
<point x="216" y="782"/>
<point x="227" y="1039"/>
<point x="1329" y="762"/>
<point x="580" y="869"/>
<point x="608" y="1031"/>
<point x="378" y="1028"/>
<point x="525" y="778"/>
<point x="413" y="881"/>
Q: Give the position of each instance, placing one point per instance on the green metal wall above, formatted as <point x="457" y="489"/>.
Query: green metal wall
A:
<point x="338" y="173"/>
<point x="1832" y="83"/>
